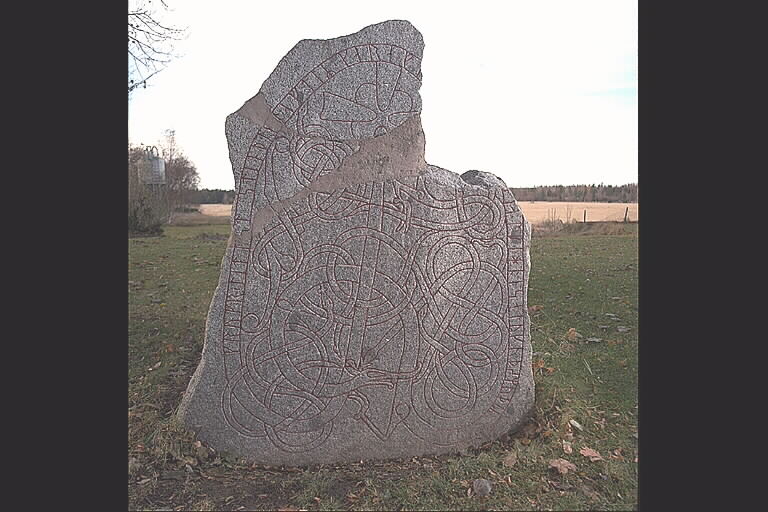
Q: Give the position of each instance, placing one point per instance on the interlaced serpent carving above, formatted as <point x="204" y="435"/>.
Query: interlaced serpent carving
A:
<point x="398" y="305"/>
<point x="362" y="91"/>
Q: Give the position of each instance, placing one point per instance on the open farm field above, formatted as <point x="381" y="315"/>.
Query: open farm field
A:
<point x="216" y="210"/>
<point x="535" y="211"/>
<point x="583" y="294"/>
<point x="541" y="211"/>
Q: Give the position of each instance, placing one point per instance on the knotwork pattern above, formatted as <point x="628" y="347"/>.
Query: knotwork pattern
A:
<point x="396" y="305"/>
<point x="362" y="91"/>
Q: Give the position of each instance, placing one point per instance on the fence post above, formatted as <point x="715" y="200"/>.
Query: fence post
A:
<point x="585" y="215"/>
<point x="626" y="213"/>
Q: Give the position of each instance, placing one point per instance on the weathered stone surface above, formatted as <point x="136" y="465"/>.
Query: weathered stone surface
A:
<point x="321" y="100"/>
<point x="370" y="305"/>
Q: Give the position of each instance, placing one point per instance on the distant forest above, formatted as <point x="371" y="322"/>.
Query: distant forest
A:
<point x="578" y="193"/>
<point x="211" y="196"/>
<point x="571" y="193"/>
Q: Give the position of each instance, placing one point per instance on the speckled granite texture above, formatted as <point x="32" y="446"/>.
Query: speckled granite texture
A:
<point x="370" y="306"/>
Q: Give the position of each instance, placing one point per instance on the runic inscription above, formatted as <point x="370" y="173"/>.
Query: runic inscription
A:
<point x="370" y="305"/>
<point x="361" y="91"/>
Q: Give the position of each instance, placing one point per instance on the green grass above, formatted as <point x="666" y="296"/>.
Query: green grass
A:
<point x="575" y="278"/>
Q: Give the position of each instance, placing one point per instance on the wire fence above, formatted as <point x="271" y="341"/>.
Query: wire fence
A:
<point x="540" y="211"/>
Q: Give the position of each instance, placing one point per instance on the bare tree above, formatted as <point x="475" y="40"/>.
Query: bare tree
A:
<point x="180" y="173"/>
<point x="150" y="43"/>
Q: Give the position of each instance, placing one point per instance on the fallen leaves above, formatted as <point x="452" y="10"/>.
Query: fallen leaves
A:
<point x="535" y="308"/>
<point x="562" y="466"/>
<point x="591" y="454"/>
<point x="568" y="435"/>
<point x="510" y="459"/>
<point x="540" y="367"/>
<point x="571" y="335"/>
<point x="616" y="454"/>
<point x="576" y="425"/>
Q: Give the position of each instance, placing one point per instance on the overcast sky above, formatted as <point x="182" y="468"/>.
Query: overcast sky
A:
<point x="538" y="92"/>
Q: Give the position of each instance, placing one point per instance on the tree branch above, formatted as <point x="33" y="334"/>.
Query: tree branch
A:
<point x="150" y="45"/>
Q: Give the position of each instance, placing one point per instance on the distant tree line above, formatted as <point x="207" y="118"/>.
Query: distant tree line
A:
<point x="212" y="196"/>
<point x="579" y="193"/>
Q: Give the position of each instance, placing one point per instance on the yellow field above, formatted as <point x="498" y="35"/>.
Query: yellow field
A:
<point x="535" y="211"/>
<point x="216" y="210"/>
<point x="539" y="211"/>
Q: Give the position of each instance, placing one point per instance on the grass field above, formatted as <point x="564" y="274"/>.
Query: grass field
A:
<point x="535" y="211"/>
<point x="583" y="303"/>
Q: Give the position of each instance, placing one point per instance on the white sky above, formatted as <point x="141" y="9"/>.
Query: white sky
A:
<point x="538" y="92"/>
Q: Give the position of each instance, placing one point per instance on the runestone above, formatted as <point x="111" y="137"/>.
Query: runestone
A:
<point x="370" y="305"/>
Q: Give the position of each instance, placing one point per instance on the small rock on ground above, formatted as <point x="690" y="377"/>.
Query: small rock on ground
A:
<point x="482" y="487"/>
